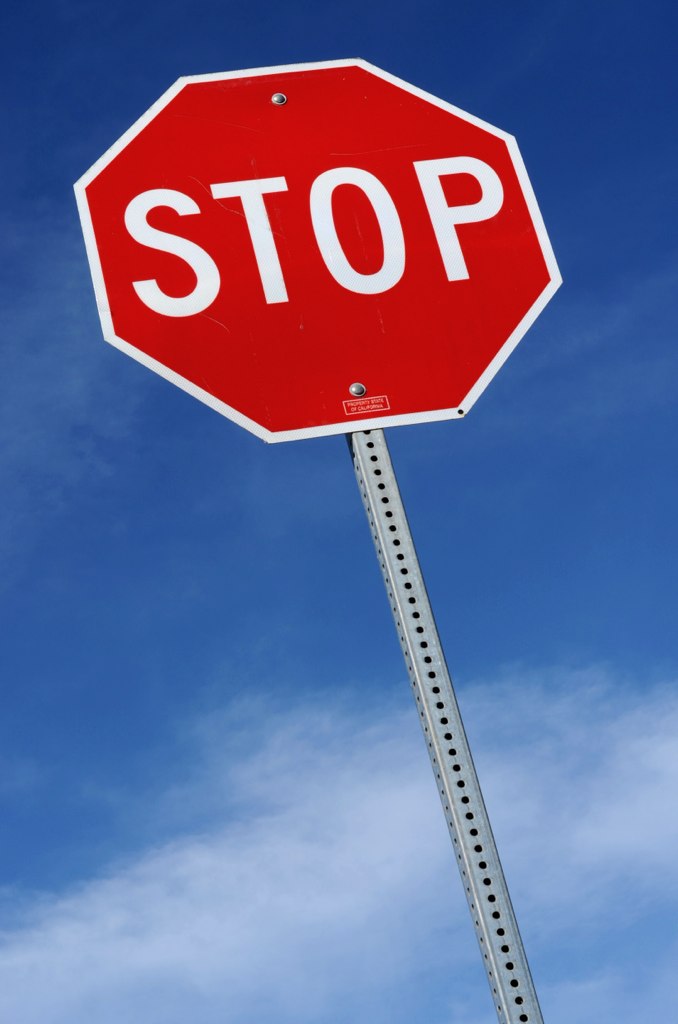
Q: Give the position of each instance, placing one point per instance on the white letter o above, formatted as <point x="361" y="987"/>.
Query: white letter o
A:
<point x="328" y="241"/>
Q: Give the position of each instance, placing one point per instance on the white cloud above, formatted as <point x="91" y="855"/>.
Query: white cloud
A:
<point x="318" y="898"/>
<point x="591" y="759"/>
<point x="317" y="882"/>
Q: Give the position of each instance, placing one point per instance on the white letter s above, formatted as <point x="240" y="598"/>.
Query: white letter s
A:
<point x="203" y="266"/>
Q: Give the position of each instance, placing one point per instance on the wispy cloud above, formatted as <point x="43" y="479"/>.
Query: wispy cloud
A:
<point x="55" y="410"/>
<point x="591" y="362"/>
<point x="314" y="894"/>
<point x="591" y="758"/>
<point x="309" y="875"/>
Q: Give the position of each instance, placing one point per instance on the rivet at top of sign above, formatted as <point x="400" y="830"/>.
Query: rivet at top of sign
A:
<point x="279" y="98"/>
<point x="358" y="390"/>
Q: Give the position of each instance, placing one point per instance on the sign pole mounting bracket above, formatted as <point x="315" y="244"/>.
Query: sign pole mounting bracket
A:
<point x="501" y="946"/>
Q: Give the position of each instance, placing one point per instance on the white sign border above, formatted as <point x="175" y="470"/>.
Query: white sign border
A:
<point x="370" y="423"/>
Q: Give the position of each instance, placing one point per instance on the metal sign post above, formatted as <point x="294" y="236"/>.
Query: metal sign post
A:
<point x="488" y="898"/>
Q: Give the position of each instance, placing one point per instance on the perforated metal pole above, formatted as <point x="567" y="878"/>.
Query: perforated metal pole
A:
<point x="501" y="947"/>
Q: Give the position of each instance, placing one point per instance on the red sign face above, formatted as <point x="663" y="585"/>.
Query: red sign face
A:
<point x="316" y="248"/>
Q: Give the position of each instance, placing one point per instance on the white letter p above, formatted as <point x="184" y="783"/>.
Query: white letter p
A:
<point x="445" y="218"/>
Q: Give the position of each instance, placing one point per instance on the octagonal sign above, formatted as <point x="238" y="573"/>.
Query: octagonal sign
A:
<point x="316" y="248"/>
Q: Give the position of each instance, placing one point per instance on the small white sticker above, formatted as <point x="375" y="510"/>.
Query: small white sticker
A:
<point x="363" y="406"/>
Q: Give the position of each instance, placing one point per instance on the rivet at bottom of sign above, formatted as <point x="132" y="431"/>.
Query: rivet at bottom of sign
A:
<point x="358" y="390"/>
<point x="460" y="411"/>
<point x="279" y="98"/>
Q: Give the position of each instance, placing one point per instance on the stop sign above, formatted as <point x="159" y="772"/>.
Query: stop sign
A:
<point x="316" y="248"/>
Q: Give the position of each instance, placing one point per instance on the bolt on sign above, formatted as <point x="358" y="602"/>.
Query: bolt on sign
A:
<point x="317" y="248"/>
<point x="321" y="249"/>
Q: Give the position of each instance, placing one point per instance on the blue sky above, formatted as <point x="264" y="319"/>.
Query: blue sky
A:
<point x="216" y="805"/>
